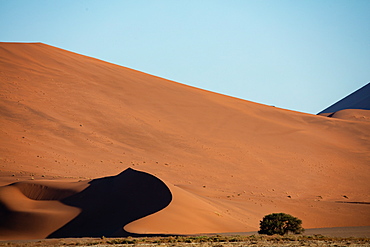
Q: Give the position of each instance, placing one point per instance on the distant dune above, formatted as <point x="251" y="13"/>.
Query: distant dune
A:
<point x="360" y="99"/>
<point x="90" y="148"/>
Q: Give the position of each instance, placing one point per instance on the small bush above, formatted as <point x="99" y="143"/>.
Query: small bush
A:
<point x="280" y="223"/>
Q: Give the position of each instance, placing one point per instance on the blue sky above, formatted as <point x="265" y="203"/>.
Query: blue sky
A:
<point x="300" y="55"/>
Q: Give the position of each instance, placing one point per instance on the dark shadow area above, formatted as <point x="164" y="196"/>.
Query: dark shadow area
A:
<point x="110" y="203"/>
<point x="353" y="202"/>
<point x="360" y="99"/>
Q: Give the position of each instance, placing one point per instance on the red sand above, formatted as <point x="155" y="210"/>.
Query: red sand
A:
<point x="226" y="162"/>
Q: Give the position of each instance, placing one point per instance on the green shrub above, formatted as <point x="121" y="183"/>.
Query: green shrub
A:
<point x="280" y="223"/>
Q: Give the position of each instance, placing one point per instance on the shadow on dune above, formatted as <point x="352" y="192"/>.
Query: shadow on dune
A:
<point x="110" y="203"/>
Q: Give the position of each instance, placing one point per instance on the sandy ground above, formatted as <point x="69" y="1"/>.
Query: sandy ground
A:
<point x="72" y="125"/>
<point x="245" y="239"/>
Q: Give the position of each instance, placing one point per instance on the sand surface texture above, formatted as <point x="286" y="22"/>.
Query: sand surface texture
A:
<point x="89" y="148"/>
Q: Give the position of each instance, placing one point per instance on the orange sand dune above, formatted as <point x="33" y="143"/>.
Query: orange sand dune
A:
<point x="100" y="207"/>
<point x="68" y="117"/>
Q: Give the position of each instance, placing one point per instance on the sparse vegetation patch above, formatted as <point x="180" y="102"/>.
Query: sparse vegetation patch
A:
<point x="280" y="223"/>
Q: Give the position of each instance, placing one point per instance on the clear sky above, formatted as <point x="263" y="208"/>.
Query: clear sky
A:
<point x="301" y="55"/>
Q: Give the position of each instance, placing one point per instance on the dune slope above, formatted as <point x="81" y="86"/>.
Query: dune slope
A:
<point x="65" y="116"/>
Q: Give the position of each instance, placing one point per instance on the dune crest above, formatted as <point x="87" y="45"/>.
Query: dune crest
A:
<point x="110" y="203"/>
